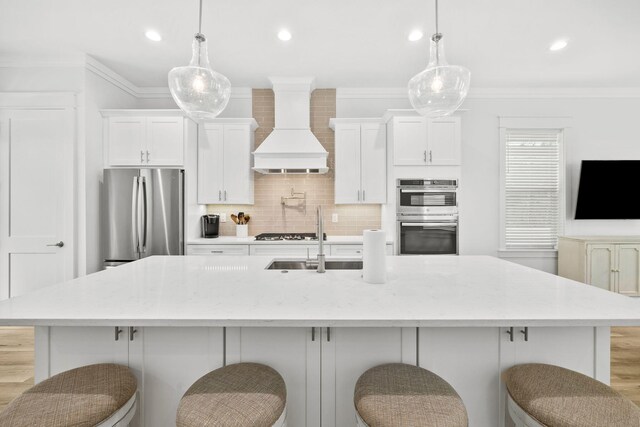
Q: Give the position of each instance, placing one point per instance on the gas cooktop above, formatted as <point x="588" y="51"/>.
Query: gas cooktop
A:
<point x="288" y="236"/>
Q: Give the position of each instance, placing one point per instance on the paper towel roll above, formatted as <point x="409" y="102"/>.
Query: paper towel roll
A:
<point x="374" y="257"/>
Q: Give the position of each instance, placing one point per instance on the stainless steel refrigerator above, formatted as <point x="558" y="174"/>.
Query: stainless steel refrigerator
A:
<point x="143" y="214"/>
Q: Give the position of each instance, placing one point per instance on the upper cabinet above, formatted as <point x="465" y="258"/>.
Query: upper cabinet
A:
<point x="224" y="161"/>
<point x="360" y="169"/>
<point x="144" y="138"/>
<point x="418" y="141"/>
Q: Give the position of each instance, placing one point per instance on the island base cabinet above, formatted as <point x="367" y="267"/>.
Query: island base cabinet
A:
<point x="472" y="360"/>
<point x="346" y="354"/>
<point x="166" y="361"/>
<point x="61" y="348"/>
<point x="295" y="354"/>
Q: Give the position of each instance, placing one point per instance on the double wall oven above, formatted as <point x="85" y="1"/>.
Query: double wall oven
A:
<point x="427" y="217"/>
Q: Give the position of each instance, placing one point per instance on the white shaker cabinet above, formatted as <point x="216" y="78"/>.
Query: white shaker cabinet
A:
<point x="418" y="141"/>
<point x="144" y="138"/>
<point x="361" y="152"/>
<point x="608" y="262"/>
<point x="224" y="161"/>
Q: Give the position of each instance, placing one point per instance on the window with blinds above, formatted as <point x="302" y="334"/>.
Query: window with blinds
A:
<point x="532" y="188"/>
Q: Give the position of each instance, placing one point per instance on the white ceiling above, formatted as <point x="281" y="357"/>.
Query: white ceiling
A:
<point x="344" y="43"/>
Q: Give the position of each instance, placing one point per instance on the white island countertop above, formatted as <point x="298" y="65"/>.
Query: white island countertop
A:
<point x="238" y="291"/>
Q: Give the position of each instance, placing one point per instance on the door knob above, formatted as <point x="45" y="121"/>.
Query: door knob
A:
<point x="59" y="244"/>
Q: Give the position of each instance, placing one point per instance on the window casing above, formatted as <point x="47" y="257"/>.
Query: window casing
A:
<point x="532" y="185"/>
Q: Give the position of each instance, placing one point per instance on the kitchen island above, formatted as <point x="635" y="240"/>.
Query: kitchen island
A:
<point x="467" y="318"/>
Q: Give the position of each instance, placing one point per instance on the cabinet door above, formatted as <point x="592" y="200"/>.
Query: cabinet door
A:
<point x="165" y="141"/>
<point x="298" y="251"/>
<point x="409" y="141"/>
<point x="347" y="179"/>
<point x="238" y="175"/>
<point x="628" y="269"/>
<point x="126" y="141"/>
<point x="210" y="163"/>
<point x="444" y="141"/>
<point x="167" y="361"/>
<point x="600" y="266"/>
<point x="72" y="347"/>
<point x="447" y="352"/>
<point x="373" y="149"/>
<point x="217" y="249"/>
<point x="295" y="354"/>
<point x="346" y="354"/>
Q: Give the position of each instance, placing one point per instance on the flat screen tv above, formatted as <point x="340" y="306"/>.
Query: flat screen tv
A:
<point x="609" y="189"/>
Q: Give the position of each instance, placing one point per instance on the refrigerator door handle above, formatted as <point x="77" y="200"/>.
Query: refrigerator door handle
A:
<point x="134" y="215"/>
<point x="143" y="214"/>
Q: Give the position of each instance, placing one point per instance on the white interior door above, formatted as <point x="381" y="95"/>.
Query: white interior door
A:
<point x="36" y="199"/>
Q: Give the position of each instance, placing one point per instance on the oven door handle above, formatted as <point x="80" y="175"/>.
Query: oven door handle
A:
<point x="429" y="224"/>
<point x="431" y="190"/>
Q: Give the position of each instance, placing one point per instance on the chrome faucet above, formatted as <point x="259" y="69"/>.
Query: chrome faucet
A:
<point x="320" y="233"/>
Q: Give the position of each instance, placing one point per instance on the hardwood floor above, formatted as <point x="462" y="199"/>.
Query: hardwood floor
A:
<point x="625" y="362"/>
<point x="16" y="362"/>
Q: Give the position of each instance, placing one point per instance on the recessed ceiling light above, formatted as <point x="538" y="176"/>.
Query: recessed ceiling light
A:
<point x="153" y="35"/>
<point x="284" y="35"/>
<point x="558" y="45"/>
<point x="415" y="35"/>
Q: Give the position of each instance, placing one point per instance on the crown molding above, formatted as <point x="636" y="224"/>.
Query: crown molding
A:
<point x="497" y="93"/>
<point x="99" y="69"/>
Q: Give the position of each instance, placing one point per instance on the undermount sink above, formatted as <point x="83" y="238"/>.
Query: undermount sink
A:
<point x="301" y="264"/>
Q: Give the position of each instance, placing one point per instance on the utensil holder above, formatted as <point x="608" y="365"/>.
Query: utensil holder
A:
<point x="242" y="230"/>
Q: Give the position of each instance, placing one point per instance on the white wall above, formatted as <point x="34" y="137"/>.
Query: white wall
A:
<point x="603" y="128"/>
<point x="98" y="94"/>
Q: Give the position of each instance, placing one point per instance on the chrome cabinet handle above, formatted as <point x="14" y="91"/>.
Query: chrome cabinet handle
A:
<point x="430" y="157"/>
<point x="118" y="332"/>
<point x="313" y="334"/>
<point x="59" y="244"/>
<point x="132" y="332"/>
<point x="363" y="196"/>
<point x="217" y="252"/>
<point x="425" y="156"/>
<point x="219" y="195"/>
<point x="510" y="333"/>
<point x="525" y="332"/>
<point x="141" y="156"/>
<point x="225" y="195"/>
<point x="358" y="195"/>
<point x="328" y="334"/>
<point x="147" y="156"/>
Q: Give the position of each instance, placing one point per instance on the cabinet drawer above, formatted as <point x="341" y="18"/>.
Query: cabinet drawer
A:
<point x="217" y="249"/>
<point x="346" y="250"/>
<point x="300" y="251"/>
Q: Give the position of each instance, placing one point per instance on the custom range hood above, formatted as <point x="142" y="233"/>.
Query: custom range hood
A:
<point x="291" y="147"/>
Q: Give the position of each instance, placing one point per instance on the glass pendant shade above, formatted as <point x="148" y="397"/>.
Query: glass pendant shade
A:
<point x="441" y="88"/>
<point x="198" y="90"/>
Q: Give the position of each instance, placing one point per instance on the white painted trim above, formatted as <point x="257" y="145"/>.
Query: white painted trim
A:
<point x="497" y="93"/>
<point x="532" y="253"/>
<point x="535" y="122"/>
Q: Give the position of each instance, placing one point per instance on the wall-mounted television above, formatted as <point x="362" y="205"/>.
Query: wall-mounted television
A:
<point x="609" y="189"/>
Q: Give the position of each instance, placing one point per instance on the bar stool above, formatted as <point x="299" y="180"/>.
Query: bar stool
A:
<point x="244" y="394"/>
<point x="400" y="395"/>
<point x="102" y="395"/>
<point x="550" y="396"/>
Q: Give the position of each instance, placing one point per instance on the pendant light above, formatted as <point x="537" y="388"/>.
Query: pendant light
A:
<point x="198" y="90"/>
<point x="441" y="88"/>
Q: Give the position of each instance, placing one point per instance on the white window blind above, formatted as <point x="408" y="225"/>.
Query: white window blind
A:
<point x="532" y="188"/>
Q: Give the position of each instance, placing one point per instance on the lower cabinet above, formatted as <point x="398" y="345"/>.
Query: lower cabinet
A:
<point x="217" y="249"/>
<point x="472" y="360"/>
<point x="320" y="366"/>
<point x="298" y="251"/>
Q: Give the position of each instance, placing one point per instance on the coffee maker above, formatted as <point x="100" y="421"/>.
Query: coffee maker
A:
<point x="210" y="225"/>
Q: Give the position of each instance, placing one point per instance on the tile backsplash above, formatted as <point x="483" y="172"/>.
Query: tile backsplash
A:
<point x="268" y="214"/>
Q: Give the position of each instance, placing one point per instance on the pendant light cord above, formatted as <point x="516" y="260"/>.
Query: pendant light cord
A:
<point x="200" y="19"/>
<point x="437" y="32"/>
